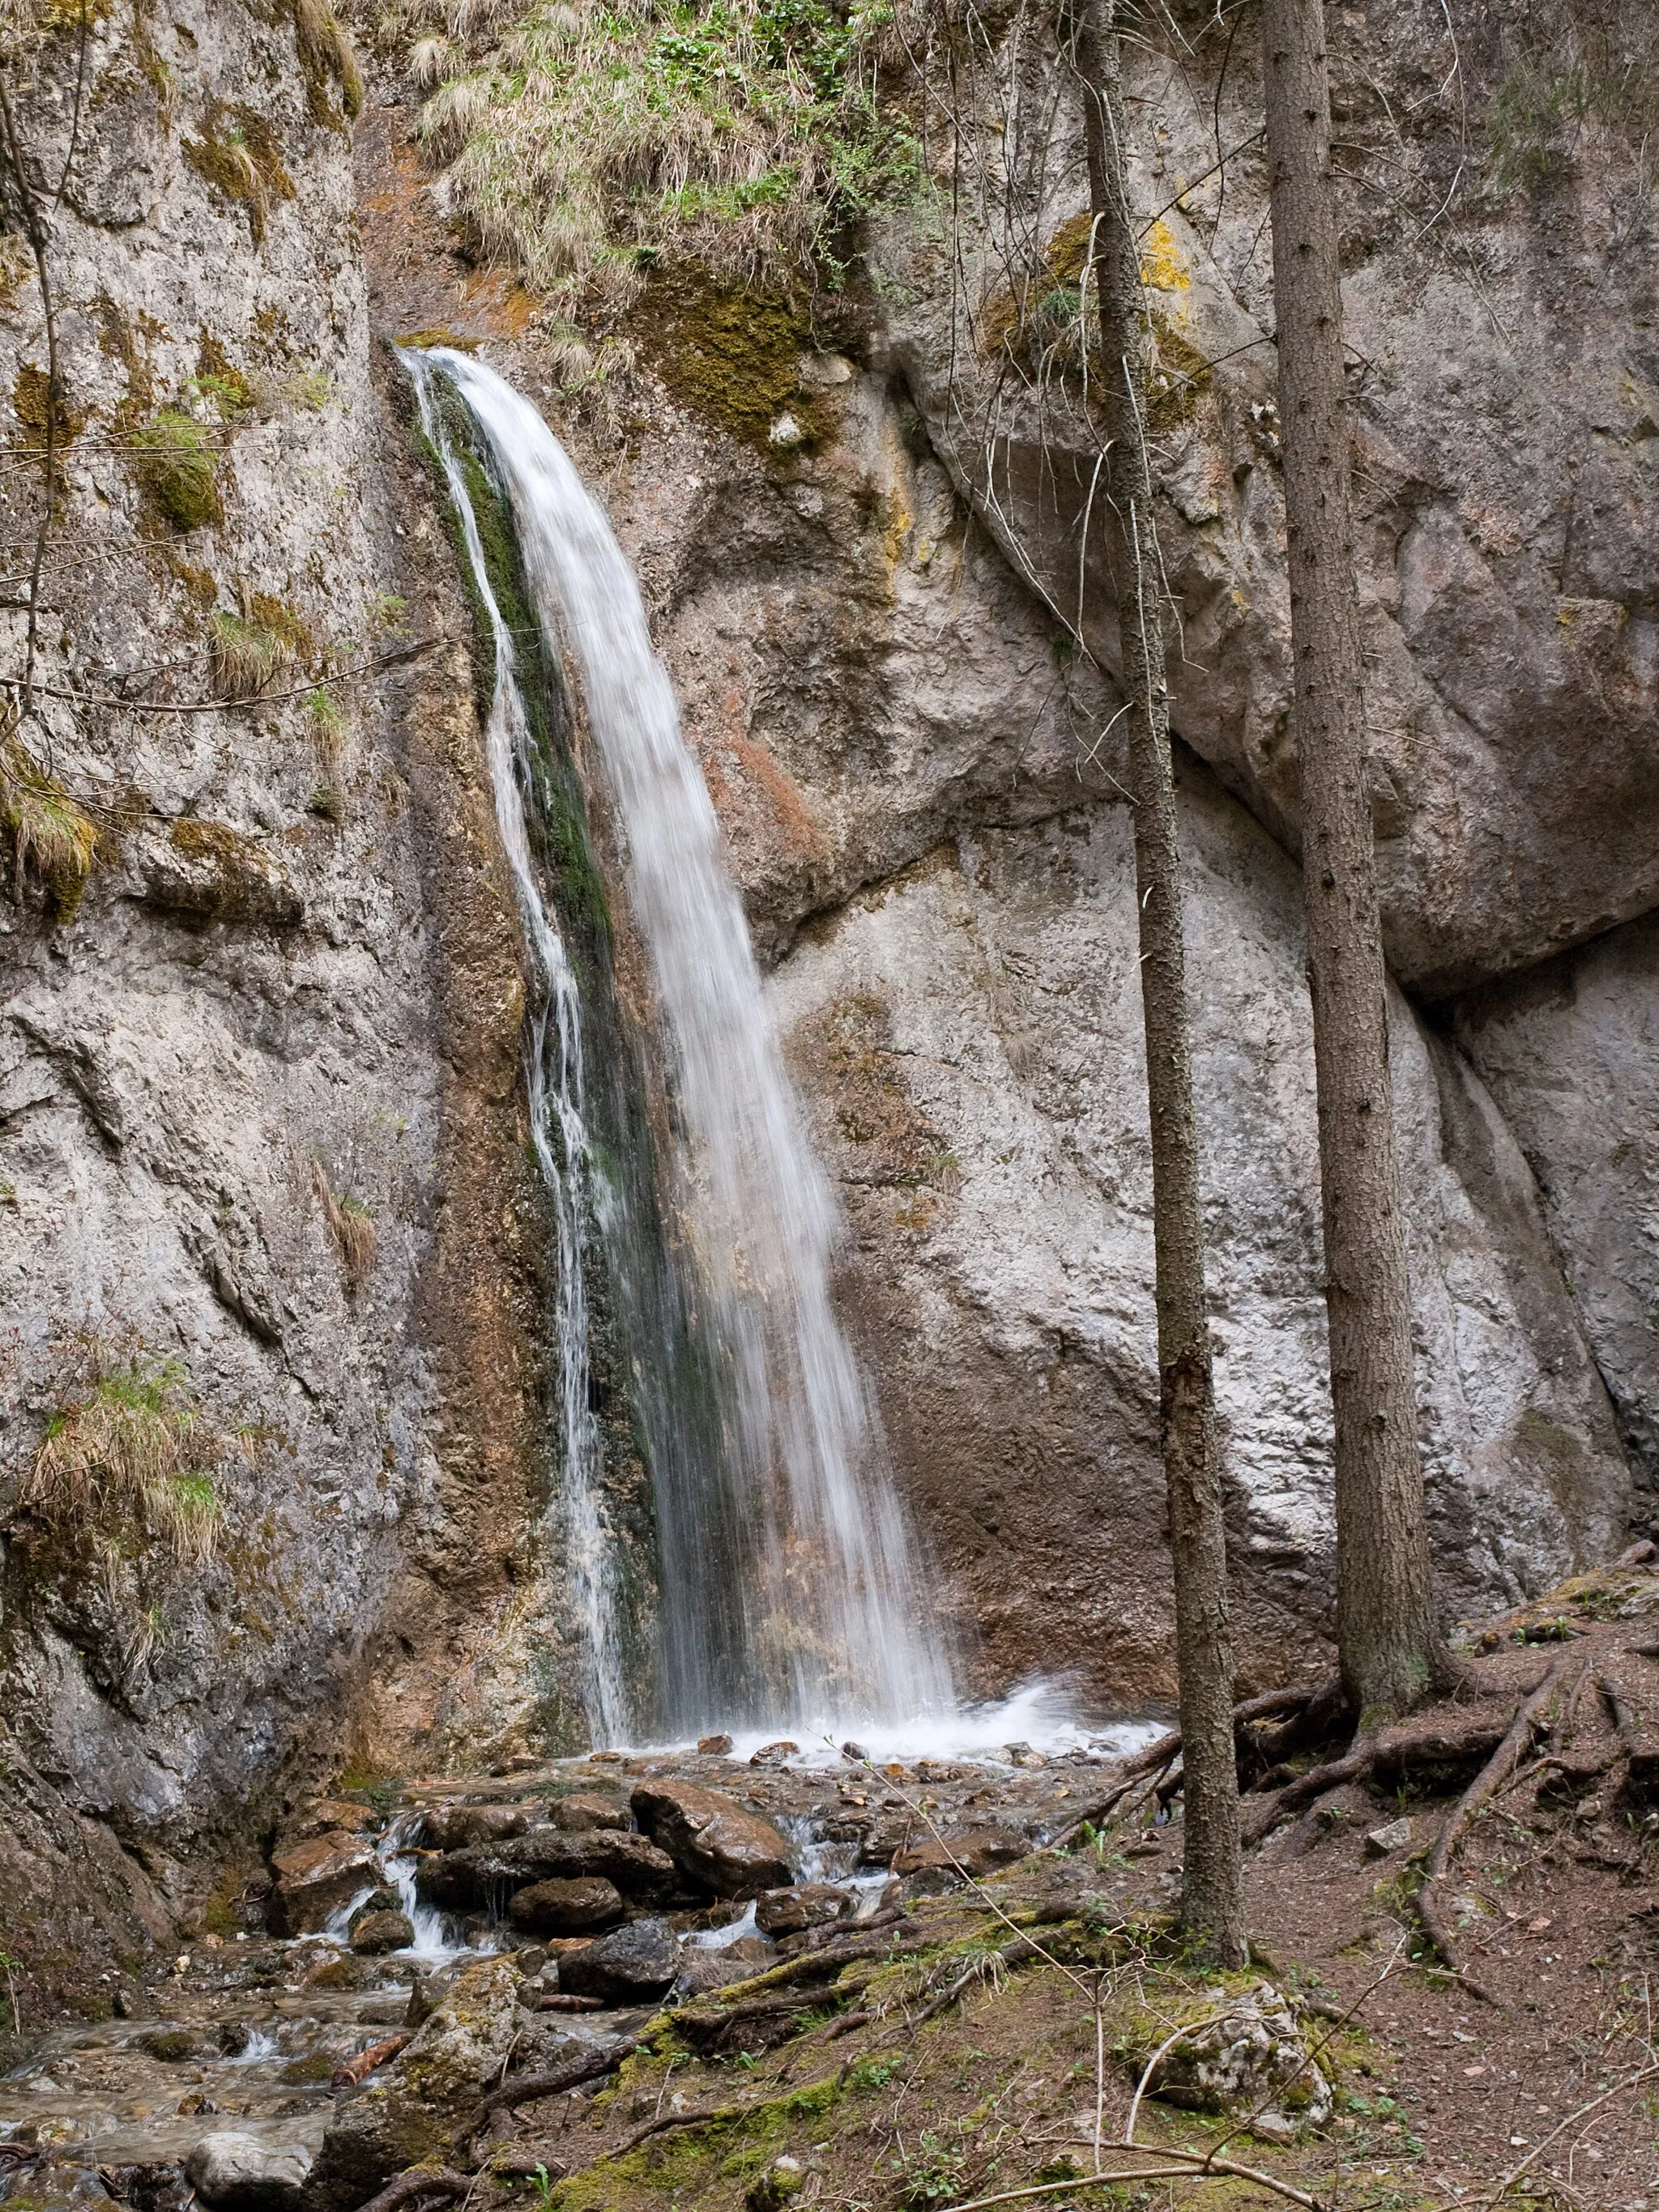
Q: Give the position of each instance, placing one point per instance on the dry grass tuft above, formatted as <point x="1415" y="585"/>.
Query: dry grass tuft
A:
<point x="51" y="837"/>
<point x="325" y="52"/>
<point x="134" y="1449"/>
<point x="583" y="140"/>
<point x="352" y="1227"/>
<point x="251" y="650"/>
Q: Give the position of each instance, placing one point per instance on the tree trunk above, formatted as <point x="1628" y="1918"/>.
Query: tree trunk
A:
<point x="1212" y="1895"/>
<point x="1391" y="1652"/>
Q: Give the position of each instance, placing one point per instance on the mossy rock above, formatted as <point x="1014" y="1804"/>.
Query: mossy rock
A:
<point x="730" y="355"/>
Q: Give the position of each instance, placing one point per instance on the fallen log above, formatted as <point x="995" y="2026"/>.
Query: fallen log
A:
<point x="351" y="2071"/>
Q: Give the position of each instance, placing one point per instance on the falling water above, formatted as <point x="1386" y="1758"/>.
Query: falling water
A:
<point x="557" y="1116"/>
<point x="790" y="1594"/>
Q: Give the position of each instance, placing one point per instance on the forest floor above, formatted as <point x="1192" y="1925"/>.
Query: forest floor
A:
<point x="1420" y="2026"/>
<point x="903" y="2085"/>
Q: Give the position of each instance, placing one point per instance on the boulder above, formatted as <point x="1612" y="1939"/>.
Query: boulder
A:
<point x="976" y="1852"/>
<point x="374" y="1933"/>
<point x="1240" y="2057"/>
<point x="808" y="1905"/>
<point x="715" y="1747"/>
<point x="636" y="1965"/>
<point x="712" y="1839"/>
<point x="775" y="1754"/>
<point x="419" y="2108"/>
<point x="236" y="2171"/>
<point x="452" y="1827"/>
<point x="564" y="1908"/>
<point x="314" y="1879"/>
<point x="326" y="1816"/>
<point x="171" y="2045"/>
<point x="585" y="1811"/>
<point x="488" y="1873"/>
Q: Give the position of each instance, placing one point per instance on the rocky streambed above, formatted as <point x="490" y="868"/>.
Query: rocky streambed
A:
<point x="412" y="1943"/>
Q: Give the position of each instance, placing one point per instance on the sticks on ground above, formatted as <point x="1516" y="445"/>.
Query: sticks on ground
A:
<point x="1534" y="1717"/>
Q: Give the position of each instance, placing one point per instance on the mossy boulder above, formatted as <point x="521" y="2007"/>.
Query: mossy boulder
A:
<point x="422" y="2108"/>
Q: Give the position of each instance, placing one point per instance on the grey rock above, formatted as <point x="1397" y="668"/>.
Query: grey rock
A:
<point x="568" y="1907"/>
<point x="313" y="1879"/>
<point x="967" y="1039"/>
<point x="636" y="1965"/>
<point x="373" y="1934"/>
<point x="1393" y="1836"/>
<point x="235" y="2170"/>
<point x="586" y="1810"/>
<point x="484" y="1873"/>
<point x="808" y="1905"/>
<point x="453" y="1827"/>
<point x="425" y="2098"/>
<point x="712" y="1839"/>
<point x="1251" y="2046"/>
<point x="1569" y="1052"/>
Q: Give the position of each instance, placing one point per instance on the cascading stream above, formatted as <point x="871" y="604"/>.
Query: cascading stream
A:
<point x="798" y="1533"/>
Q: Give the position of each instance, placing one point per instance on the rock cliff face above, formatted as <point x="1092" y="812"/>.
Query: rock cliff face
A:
<point x="259" y="1075"/>
<point x="266" y="1209"/>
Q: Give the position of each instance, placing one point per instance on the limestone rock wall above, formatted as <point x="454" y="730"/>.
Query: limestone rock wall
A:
<point x="250" y="1081"/>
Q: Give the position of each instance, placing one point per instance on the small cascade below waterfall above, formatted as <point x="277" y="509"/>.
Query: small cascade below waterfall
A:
<point x="789" y="1594"/>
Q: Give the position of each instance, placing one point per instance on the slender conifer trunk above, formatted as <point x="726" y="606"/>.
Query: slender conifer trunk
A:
<point x="1391" y="1652"/>
<point x="1212" y="1897"/>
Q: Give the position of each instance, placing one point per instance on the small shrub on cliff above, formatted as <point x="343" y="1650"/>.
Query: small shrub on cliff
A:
<point x="135" y="1449"/>
<point x="251" y="650"/>
<point x="239" y="153"/>
<point x="352" y="1227"/>
<point x="51" y="837"/>
<point x="177" y="459"/>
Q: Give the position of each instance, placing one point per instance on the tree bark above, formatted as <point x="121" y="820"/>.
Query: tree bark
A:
<point x="1212" y="1895"/>
<point x="1391" y="1652"/>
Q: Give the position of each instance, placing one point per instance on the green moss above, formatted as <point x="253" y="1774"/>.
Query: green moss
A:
<point x="240" y="155"/>
<point x="317" y="2066"/>
<point x="34" y="405"/>
<point x="730" y="354"/>
<point x="177" y="460"/>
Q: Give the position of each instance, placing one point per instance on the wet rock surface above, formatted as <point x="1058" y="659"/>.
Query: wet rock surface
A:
<point x="712" y="1839"/>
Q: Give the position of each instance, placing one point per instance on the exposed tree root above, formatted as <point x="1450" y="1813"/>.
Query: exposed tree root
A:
<point x="526" y="2088"/>
<point x="1534" y="1715"/>
<point x="437" y="2182"/>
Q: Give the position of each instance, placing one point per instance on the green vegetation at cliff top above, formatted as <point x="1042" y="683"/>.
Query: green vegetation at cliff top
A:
<point x="741" y="134"/>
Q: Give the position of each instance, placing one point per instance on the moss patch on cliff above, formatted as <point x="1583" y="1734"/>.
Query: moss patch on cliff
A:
<point x="176" y="459"/>
<point x="729" y="354"/>
<point x="240" y="155"/>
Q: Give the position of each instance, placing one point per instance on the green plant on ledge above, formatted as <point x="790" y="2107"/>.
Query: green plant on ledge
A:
<point x="133" y="1450"/>
<point x="739" y="134"/>
<point x="52" y="836"/>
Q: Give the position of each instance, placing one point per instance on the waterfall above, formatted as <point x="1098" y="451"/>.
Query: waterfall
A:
<point x="790" y="1594"/>
<point x="558" y="1115"/>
